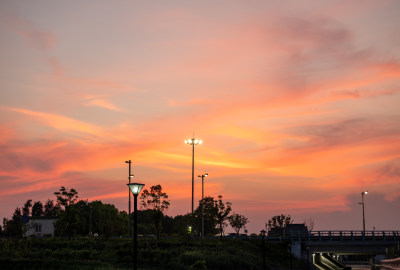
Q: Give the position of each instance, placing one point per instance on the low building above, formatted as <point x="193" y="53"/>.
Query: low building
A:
<point x="40" y="226"/>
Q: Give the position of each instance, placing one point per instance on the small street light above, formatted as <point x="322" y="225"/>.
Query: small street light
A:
<point x="363" y="208"/>
<point x="135" y="189"/>
<point x="202" y="208"/>
<point x="193" y="142"/>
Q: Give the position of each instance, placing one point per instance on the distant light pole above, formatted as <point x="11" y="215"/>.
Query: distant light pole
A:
<point x="129" y="195"/>
<point x="193" y="142"/>
<point x="263" y="247"/>
<point x="135" y="188"/>
<point x="202" y="207"/>
<point x="363" y="208"/>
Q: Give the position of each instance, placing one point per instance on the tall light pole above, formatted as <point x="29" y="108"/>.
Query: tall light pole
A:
<point x="193" y="142"/>
<point x="135" y="188"/>
<point x="202" y="207"/>
<point x="363" y="208"/>
<point x="129" y="195"/>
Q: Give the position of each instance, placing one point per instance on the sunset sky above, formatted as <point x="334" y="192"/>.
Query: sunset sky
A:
<point x="297" y="104"/>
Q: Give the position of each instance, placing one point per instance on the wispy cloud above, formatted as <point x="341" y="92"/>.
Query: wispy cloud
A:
<point x="40" y="39"/>
<point x="101" y="103"/>
<point x="59" y="122"/>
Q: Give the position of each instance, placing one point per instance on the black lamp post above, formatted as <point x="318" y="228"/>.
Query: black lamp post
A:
<point x="263" y="247"/>
<point x="202" y="208"/>
<point x="135" y="188"/>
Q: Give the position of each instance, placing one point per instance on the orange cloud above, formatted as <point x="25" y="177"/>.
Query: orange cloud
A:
<point x="60" y="122"/>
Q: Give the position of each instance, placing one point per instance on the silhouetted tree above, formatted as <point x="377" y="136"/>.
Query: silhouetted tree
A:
<point x="145" y="222"/>
<point x="222" y="214"/>
<point x="69" y="217"/>
<point x="14" y="226"/>
<point x="50" y="209"/>
<point x="181" y="224"/>
<point x="279" y="222"/>
<point x="104" y="219"/>
<point x="65" y="197"/>
<point x="37" y="209"/>
<point x="26" y="210"/>
<point x="168" y="224"/>
<point x="5" y="221"/>
<point x="158" y="202"/>
<point x="237" y="222"/>
<point x="309" y="223"/>
<point x="210" y="216"/>
<point x="75" y="217"/>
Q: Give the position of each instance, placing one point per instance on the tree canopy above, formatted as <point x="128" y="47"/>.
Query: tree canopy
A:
<point x="157" y="201"/>
<point x="279" y="221"/>
<point x="81" y="217"/>
<point x="65" y="197"/>
<point x="238" y="222"/>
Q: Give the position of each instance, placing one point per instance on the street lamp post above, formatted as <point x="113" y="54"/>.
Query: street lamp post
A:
<point x="193" y="142"/>
<point x="202" y="207"/>
<point x="363" y="208"/>
<point x="129" y="195"/>
<point x="135" y="189"/>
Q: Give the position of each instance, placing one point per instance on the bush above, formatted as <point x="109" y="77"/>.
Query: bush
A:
<point x="175" y="253"/>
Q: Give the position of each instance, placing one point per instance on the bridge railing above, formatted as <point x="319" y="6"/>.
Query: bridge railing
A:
<point x="345" y="235"/>
<point x="391" y="264"/>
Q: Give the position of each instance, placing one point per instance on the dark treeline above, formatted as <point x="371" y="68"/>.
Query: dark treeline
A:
<point x="77" y="217"/>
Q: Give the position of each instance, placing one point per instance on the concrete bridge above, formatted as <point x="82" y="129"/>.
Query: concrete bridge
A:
<point x="323" y="248"/>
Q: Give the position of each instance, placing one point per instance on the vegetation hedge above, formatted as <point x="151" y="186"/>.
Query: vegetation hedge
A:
<point x="116" y="253"/>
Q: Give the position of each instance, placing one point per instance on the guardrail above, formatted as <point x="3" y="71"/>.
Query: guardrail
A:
<point x="391" y="264"/>
<point x="345" y="235"/>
